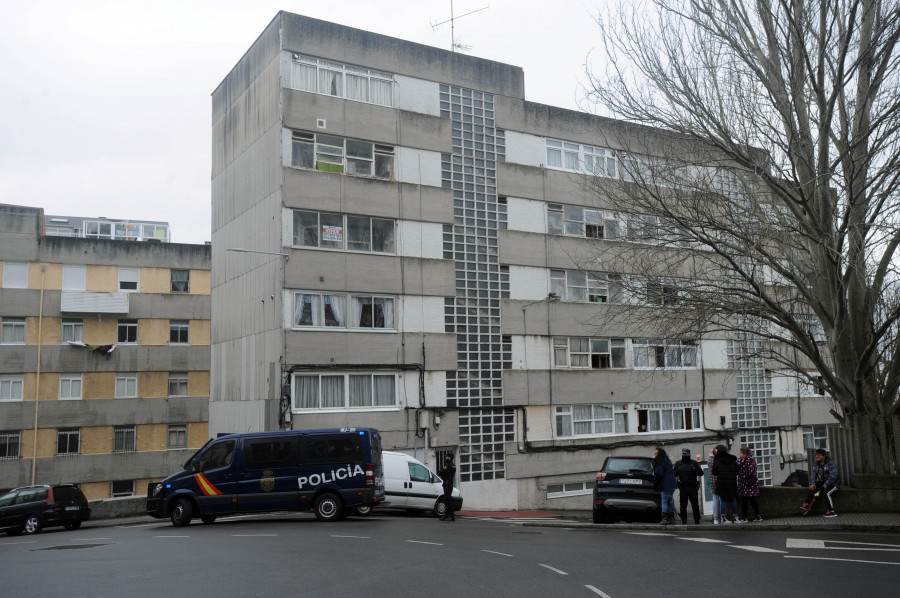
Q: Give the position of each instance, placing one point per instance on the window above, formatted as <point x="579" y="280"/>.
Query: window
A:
<point x="72" y="330"/>
<point x="815" y="437"/>
<point x="178" y="332"/>
<point x="342" y="80"/>
<point x="181" y="281"/>
<point x="178" y="384"/>
<point x="575" y="157"/>
<point x="123" y="439"/>
<point x="344" y="391"/>
<point x="322" y="310"/>
<point x="73" y="278"/>
<point x="591" y="420"/>
<point x="15" y="275"/>
<point x="177" y="437"/>
<point x="336" y="231"/>
<point x="659" y="293"/>
<point x="11" y="387"/>
<point x="100" y="230"/>
<point x="270" y="453"/>
<point x="70" y="386"/>
<point x="669" y="417"/>
<point x="575" y="221"/>
<point x="336" y="154"/>
<point x="569" y="489"/>
<point x="126" y="332"/>
<point x="584" y="352"/>
<point x="328" y="448"/>
<point x="122" y="488"/>
<point x="218" y="455"/>
<point x="574" y="285"/>
<point x="659" y="353"/>
<point x="126" y="385"/>
<point x="12" y="331"/>
<point x="10" y="445"/>
<point x="129" y="280"/>
<point x="68" y="441"/>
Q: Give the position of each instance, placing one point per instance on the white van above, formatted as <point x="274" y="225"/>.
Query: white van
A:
<point x="408" y="484"/>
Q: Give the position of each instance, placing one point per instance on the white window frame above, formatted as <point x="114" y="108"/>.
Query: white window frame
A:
<point x="69" y="433"/>
<point x="663" y="417"/>
<point x="9" y="439"/>
<point x="72" y="330"/>
<point x="74" y="278"/>
<point x="178" y="381"/>
<point x="646" y="354"/>
<point x="12" y="387"/>
<point x="127" y="324"/>
<point x="180" y="433"/>
<point x="584" y="287"/>
<point x="13" y="331"/>
<point x="316" y="74"/>
<point x="579" y="352"/>
<point x="319" y="301"/>
<point x="815" y="437"/>
<point x="569" y="489"/>
<point x="129" y="277"/>
<point x="332" y="153"/>
<point x="124" y="439"/>
<point x="576" y="157"/>
<point x="341" y="385"/>
<point x="180" y="326"/>
<point x="568" y="417"/>
<point x="126" y="385"/>
<point x="70" y="387"/>
<point x="333" y="232"/>
<point x="174" y="283"/>
<point x="15" y="275"/>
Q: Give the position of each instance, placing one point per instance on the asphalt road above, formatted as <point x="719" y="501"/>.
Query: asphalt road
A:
<point x="398" y="555"/>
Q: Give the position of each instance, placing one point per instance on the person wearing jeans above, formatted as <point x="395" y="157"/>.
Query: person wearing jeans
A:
<point x="725" y="469"/>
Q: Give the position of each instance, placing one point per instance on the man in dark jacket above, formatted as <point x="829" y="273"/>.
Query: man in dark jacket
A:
<point x="447" y="473"/>
<point x="825" y="480"/>
<point x="688" y="472"/>
<point x="726" y="471"/>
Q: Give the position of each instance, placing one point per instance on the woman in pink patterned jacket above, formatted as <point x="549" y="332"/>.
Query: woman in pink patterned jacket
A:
<point x="748" y="484"/>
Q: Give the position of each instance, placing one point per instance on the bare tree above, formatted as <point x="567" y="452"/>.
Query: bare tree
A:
<point x="761" y="182"/>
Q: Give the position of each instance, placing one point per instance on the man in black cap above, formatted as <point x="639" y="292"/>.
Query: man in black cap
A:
<point x="688" y="473"/>
<point x="447" y="473"/>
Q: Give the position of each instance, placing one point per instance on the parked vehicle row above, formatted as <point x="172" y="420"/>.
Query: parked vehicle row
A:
<point x="32" y="508"/>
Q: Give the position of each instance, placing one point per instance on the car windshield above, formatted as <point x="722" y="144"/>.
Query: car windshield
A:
<point x="628" y="465"/>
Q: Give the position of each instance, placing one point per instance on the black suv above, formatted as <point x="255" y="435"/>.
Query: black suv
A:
<point x="33" y="508"/>
<point x="624" y="490"/>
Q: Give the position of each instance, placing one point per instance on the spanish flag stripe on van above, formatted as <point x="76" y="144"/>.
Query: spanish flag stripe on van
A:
<point x="207" y="488"/>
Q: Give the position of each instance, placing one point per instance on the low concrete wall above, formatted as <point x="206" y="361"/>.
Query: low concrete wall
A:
<point x="877" y="481"/>
<point x="776" y="501"/>
<point x="114" y="508"/>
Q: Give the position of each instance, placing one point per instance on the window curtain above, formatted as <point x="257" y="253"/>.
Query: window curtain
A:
<point x="387" y="310"/>
<point x="306" y="309"/>
<point x="362" y="312"/>
<point x="180" y="280"/>
<point x="357" y="88"/>
<point x="331" y="82"/>
<point x="304" y="77"/>
<point x="360" y="391"/>
<point x="335" y="312"/>
<point x="13" y="332"/>
<point x="306" y="392"/>
<point x="332" y="391"/>
<point x="385" y="391"/>
<point x="382" y="93"/>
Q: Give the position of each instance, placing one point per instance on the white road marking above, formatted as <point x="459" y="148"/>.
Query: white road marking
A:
<point x="254" y="535"/>
<point x="823" y="558"/>
<point x="554" y="569"/>
<point x="86" y="539"/>
<point x="598" y="592"/>
<point x="648" y="534"/>
<point x="710" y="540"/>
<point x="171" y="536"/>
<point x="359" y="537"/>
<point x="757" y="548"/>
<point x="820" y="545"/>
<point x="421" y="542"/>
<point x="495" y="552"/>
<point x="14" y="543"/>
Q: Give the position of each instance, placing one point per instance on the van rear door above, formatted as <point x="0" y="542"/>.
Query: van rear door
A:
<point x="268" y="479"/>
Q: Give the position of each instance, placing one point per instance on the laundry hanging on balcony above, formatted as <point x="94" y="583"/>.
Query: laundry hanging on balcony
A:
<point x="105" y="350"/>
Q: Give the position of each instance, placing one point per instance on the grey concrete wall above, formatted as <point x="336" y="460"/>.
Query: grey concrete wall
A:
<point x="20" y="230"/>
<point x="360" y="349"/>
<point x="355" y="46"/>
<point x="106" y="412"/>
<point x="125" y="358"/>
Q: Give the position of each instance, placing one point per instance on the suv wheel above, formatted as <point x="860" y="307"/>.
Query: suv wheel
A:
<point x="32" y="524"/>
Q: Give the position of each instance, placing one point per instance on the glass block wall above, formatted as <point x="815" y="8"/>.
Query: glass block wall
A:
<point x="476" y="387"/>
<point x="750" y="408"/>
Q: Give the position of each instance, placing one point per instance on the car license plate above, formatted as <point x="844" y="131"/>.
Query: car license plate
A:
<point x="73" y="508"/>
<point x="630" y="481"/>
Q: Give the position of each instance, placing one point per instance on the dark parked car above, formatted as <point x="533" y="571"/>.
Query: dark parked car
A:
<point x="33" y="508"/>
<point x="799" y="477"/>
<point x="624" y="491"/>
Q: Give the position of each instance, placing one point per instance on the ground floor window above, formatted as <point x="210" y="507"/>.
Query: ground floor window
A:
<point x="669" y="417"/>
<point x="569" y="489"/>
<point x="10" y="443"/>
<point x="815" y="437"/>
<point x="357" y="390"/>
<point x="122" y="488"/>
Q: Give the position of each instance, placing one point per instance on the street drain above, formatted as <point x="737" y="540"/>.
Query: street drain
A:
<point x="70" y="547"/>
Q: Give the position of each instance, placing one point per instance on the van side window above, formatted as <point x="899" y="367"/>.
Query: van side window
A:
<point x="218" y="455"/>
<point x="332" y="449"/>
<point x="270" y="454"/>
<point x="417" y="473"/>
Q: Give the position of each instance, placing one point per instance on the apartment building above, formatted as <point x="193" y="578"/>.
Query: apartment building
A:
<point x="413" y="224"/>
<point x="104" y="354"/>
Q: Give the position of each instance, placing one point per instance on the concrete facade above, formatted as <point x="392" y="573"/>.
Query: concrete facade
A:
<point x="70" y="414"/>
<point x="476" y="354"/>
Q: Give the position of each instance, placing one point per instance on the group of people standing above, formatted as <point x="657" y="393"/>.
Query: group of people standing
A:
<point x="730" y="477"/>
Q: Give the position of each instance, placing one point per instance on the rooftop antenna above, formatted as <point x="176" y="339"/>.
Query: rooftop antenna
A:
<point x="454" y="44"/>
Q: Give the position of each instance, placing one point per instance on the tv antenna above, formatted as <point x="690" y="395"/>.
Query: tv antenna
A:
<point x="454" y="44"/>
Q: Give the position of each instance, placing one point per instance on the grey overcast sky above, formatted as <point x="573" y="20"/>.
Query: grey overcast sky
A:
<point x="105" y="105"/>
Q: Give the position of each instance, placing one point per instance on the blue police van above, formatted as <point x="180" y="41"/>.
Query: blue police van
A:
<point x="330" y="471"/>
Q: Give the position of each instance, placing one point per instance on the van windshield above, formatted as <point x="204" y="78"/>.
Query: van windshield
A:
<point x="197" y="452"/>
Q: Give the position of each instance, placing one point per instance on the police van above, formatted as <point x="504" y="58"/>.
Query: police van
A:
<point x="328" y="471"/>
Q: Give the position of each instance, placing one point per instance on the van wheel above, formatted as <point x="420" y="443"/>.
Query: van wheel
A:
<point x="440" y="508"/>
<point x="328" y="507"/>
<point x="72" y="526"/>
<point x="182" y="512"/>
<point x="363" y="511"/>
<point x="207" y="519"/>
<point x="32" y="524"/>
